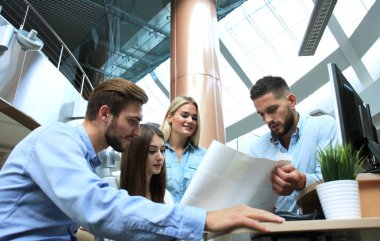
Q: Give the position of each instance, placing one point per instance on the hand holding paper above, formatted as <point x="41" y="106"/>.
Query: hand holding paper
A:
<point x="227" y="178"/>
<point x="286" y="179"/>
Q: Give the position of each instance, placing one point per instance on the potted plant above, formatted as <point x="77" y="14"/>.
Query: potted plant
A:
<point x="339" y="191"/>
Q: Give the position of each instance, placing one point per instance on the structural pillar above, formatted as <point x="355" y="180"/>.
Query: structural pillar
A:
<point x="194" y="63"/>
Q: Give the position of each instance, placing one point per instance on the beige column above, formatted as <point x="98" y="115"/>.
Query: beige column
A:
<point x="194" y="63"/>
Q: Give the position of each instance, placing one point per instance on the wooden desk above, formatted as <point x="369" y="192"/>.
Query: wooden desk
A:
<point x="364" y="229"/>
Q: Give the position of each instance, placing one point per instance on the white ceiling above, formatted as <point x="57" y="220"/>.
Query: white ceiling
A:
<point x="263" y="37"/>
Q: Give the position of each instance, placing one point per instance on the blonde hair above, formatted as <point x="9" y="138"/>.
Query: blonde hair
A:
<point x="176" y="103"/>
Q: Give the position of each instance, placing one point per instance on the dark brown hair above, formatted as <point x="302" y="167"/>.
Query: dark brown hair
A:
<point x="133" y="166"/>
<point x="116" y="93"/>
<point x="269" y="84"/>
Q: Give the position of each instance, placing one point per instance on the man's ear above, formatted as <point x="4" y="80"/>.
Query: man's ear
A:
<point x="104" y="112"/>
<point x="292" y="100"/>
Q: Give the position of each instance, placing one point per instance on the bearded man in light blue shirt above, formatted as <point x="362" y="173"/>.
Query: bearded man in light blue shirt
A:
<point x="292" y="137"/>
<point x="48" y="187"/>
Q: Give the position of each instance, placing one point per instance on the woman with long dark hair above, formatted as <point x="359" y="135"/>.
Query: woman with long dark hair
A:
<point x="143" y="171"/>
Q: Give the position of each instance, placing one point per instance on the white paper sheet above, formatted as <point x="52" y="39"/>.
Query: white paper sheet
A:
<point x="227" y="177"/>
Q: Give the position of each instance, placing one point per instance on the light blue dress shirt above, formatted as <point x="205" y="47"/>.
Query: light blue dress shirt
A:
<point x="179" y="174"/>
<point x="313" y="133"/>
<point x="48" y="187"/>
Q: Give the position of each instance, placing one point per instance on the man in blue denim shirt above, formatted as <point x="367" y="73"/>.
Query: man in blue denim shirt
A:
<point x="292" y="137"/>
<point x="48" y="186"/>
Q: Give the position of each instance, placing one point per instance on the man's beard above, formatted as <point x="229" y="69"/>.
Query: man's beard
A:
<point x="111" y="138"/>
<point x="287" y="125"/>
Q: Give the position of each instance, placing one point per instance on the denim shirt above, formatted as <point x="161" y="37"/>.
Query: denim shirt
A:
<point x="312" y="134"/>
<point x="179" y="174"/>
<point x="48" y="187"/>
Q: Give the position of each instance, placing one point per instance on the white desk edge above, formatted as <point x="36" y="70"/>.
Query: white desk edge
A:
<point x="308" y="225"/>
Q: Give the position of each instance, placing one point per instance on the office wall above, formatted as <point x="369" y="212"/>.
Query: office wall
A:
<point x="32" y="92"/>
<point x="33" y="85"/>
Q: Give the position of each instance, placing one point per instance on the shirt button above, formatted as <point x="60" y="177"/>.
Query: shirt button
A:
<point x="191" y="235"/>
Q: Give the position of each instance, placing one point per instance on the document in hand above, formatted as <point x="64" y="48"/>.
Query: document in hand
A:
<point x="227" y="177"/>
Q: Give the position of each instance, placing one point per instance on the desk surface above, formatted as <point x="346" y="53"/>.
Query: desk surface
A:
<point x="310" y="225"/>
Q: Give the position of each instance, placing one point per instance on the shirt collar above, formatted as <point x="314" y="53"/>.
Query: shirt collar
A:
<point x="301" y="122"/>
<point x="91" y="156"/>
<point x="188" y="146"/>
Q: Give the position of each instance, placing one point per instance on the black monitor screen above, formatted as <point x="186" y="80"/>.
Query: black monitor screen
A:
<point x="353" y="116"/>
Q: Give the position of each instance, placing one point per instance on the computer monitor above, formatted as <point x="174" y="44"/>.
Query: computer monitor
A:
<point x="354" y="120"/>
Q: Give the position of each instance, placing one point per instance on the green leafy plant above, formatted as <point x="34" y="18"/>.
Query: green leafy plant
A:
<point x="340" y="162"/>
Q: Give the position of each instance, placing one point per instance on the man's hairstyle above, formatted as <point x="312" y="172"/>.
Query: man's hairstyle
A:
<point x="133" y="166"/>
<point x="174" y="106"/>
<point x="116" y="93"/>
<point x="269" y="84"/>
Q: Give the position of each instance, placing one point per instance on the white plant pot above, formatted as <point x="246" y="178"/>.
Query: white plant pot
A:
<point x="340" y="199"/>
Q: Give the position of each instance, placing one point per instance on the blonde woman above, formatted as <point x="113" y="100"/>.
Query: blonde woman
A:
<point x="181" y="128"/>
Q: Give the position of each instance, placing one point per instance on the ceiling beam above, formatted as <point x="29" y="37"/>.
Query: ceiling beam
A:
<point x="234" y="64"/>
<point x="159" y="84"/>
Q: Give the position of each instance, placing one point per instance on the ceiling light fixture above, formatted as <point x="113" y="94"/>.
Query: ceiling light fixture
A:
<point x="317" y="24"/>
